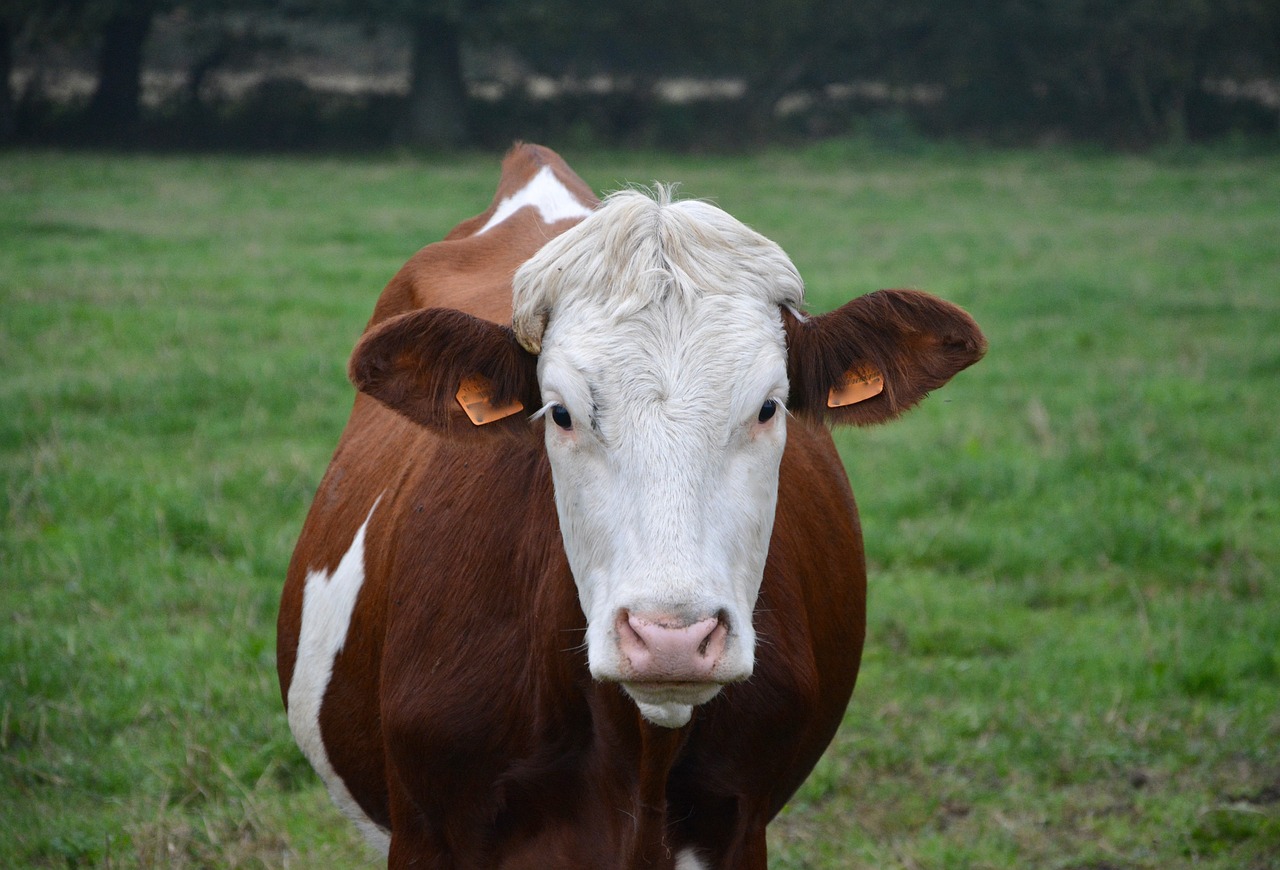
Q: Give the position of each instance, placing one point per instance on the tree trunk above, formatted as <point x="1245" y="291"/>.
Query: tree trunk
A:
<point x="437" y="95"/>
<point x="1175" y="117"/>
<point x="8" y="120"/>
<point x="113" y="111"/>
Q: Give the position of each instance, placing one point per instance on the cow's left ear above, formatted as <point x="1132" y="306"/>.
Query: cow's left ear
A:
<point x="448" y="371"/>
<point x="876" y="356"/>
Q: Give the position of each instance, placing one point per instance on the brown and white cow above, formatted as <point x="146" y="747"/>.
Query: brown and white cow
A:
<point x="615" y="623"/>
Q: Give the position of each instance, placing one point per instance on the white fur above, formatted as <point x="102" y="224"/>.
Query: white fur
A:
<point x="327" y="603"/>
<point x="660" y="330"/>
<point x="688" y="860"/>
<point x="545" y="192"/>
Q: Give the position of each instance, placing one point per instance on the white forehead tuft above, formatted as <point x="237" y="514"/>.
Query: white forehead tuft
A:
<point x="638" y="248"/>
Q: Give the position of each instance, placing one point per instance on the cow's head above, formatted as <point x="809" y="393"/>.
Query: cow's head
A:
<point x="661" y="344"/>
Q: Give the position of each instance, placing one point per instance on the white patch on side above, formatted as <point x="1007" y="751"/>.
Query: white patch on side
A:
<point x="327" y="604"/>
<point x="545" y="192"/>
<point x="688" y="860"/>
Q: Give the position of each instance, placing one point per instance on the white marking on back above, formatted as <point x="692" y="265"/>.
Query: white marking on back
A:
<point x="328" y="601"/>
<point x="545" y="192"/>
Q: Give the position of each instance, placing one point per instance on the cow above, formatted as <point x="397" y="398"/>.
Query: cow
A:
<point x="584" y="584"/>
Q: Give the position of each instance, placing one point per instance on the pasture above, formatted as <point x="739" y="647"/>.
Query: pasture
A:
<point x="1073" y="654"/>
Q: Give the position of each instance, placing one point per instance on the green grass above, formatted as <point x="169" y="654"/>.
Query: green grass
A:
<point x="1073" y="657"/>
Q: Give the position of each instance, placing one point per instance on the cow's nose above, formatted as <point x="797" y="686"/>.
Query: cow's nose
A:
<point x="666" y="649"/>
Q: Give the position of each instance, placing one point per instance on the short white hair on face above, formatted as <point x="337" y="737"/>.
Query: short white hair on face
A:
<point x="641" y="247"/>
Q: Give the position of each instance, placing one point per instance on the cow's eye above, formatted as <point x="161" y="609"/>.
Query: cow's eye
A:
<point x="767" y="410"/>
<point x="560" y="416"/>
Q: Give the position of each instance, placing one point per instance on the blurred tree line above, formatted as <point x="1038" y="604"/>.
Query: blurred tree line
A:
<point x="1127" y="71"/>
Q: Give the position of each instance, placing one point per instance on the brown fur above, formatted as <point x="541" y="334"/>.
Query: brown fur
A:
<point x="916" y="341"/>
<point x="460" y="713"/>
<point x="416" y="362"/>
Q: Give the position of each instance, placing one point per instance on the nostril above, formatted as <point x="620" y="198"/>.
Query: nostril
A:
<point x="713" y="644"/>
<point x="628" y="635"/>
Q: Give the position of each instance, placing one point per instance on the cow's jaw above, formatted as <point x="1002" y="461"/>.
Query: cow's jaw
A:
<point x="666" y="483"/>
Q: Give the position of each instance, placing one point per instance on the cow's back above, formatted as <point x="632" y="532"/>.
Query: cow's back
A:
<point x="538" y="198"/>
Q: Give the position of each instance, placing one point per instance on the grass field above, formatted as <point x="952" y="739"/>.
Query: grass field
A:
<point x="1073" y="657"/>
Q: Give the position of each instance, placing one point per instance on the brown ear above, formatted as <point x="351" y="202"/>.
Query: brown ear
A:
<point x="915" y="342"/>
<point x="429" y="364"/>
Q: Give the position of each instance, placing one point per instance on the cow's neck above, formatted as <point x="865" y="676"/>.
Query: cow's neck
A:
<point x="637" y="758"/>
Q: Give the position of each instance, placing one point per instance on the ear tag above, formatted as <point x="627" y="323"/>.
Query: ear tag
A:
<point x="860" y="383"/>
<point x="476" y="398"/>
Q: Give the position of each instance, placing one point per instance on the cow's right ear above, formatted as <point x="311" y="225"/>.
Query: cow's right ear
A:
<point x="448" y="371"/>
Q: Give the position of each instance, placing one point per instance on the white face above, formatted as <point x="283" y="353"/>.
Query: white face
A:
<point x="665" y="428"/>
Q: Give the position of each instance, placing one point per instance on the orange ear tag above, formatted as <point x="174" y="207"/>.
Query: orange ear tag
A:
<point x="476" y="398"/>
<point x="856" y="385"/>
